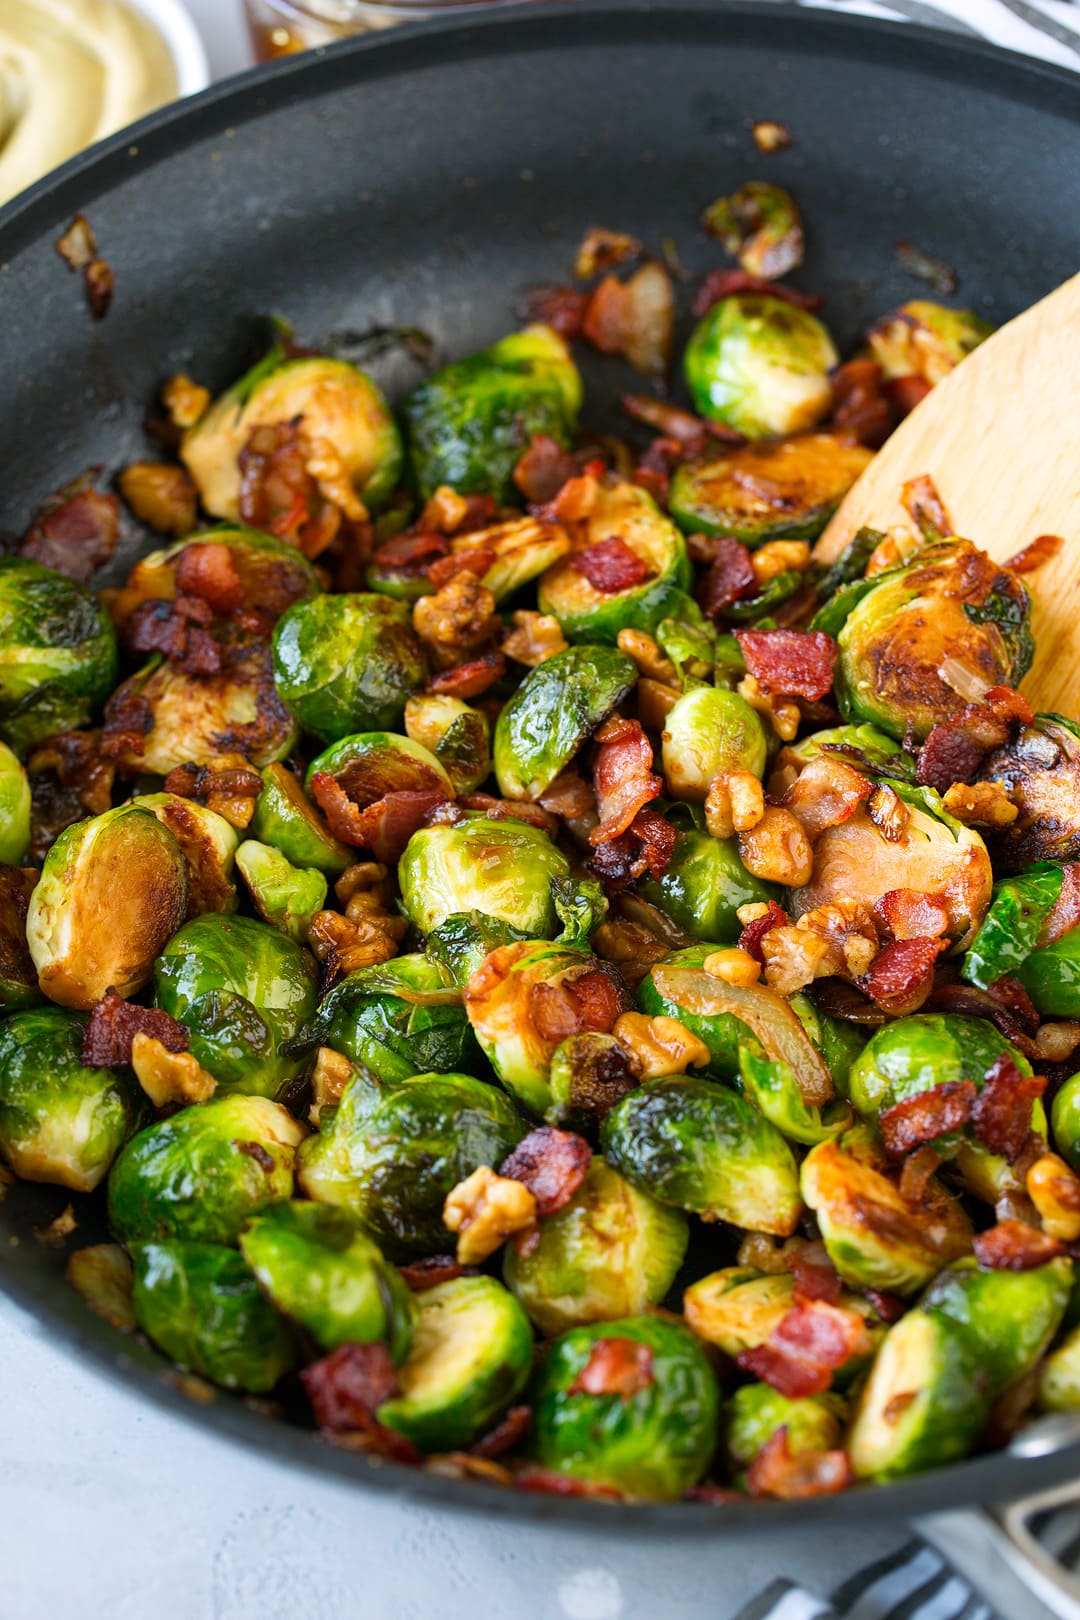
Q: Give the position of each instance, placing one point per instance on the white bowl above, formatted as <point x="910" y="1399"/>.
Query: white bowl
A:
<point x="173" y="22"/>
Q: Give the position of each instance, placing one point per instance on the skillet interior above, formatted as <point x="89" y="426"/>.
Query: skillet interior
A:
<point x="425" y="177"/>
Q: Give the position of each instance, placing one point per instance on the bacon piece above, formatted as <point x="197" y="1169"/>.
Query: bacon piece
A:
<point x="345" y="1389"/>
<point x="622" y="777"/>
<point x="409" y="555"/>
<point x="688" y="431"/>
<point x="888" y="812"/>
<point x="280" y="493"/>
<point x="714" y="1495"/>
<point x="471" y="679"/>
<point x="469" y="560"/>
<point x="208" y="571"/>
<point x="720" y="284"/>
<point x="860" y="404"/>
<point x="615" y="1366"/>
<point x="956" y="748"/>
<point x="904" y="393"/>
<point x="930" y="1114"/>
<point x="901" y="976"/>
<point x="552" y="1164"/>
<point x="1037" y="552"/>
<point x="99" y="279"/>
<point x="752" y="935"/>
<point x="431" y="1271"/>
<point x="545" y="1482"/>
<point x="1013" y="1246"/>
<point x="1010" y="994"/>
<point x="509" y="1432"/>
<point x="128" y="720"/>
<point x="635" y="318"/>
<point x="793" y="1477"/>
<point x="543" y="470"/>
<point x="610" y="566"/>
<point x="114" y="1024"/>
<point x="887" y="1306"/>
<point x="912" y="914"/>
<point x="806" y="1347"/>
<point x="176" y="629"/>
<point x="791" y="663"/>
<point x="815" y="1275"/>
<point x="510" y="810"/>
<point x="75" y="531"/>
<point x="730" y="576"/>
<point x="646" y="846"/>
<point x="915" y="1174"/>
<point x="569" y="795"/>
<point x="826" y="793"/>
<point x="561" y="308"/>
<point x="384" y="826"/>
<point x="1065" y="914"/>
<point x="1002" y="1113"/>
<point x="592" y="1001"/>
<point x="656" y="839"/>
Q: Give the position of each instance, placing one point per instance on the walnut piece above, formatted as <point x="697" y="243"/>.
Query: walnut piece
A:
<point x="982" y="804"/>
<point x="646" y="653"/>
<point x="777" y="850"/>
<point x="1054" y="1189"/>
<point x="779" y="557"/>
<point x="484" y="1210"/>
<point x="659" y="1045"/>
<point x="169" y="1077"/>
<point x="734" y="803"/>
<point x="329" y="1078"/>
<point x="535" y="636"/>
<point x="784" y="717"/>
<point x="733" y="966"/>
<point x="186" y="401"/>
<point x="160" y="495"/>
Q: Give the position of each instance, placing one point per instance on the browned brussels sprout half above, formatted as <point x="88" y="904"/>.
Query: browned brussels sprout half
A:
<point x="924" y="339"/>
<point x="1040" y="771"/>
<point x="557" y="706"/>
<point x="57" y="653"/>
<point x="760" y="226"/>
<point x="786" y="489"/>
<point x="458" y="736"/>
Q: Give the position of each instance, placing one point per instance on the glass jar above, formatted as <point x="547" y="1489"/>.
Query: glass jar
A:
<point x="280" y="27"/>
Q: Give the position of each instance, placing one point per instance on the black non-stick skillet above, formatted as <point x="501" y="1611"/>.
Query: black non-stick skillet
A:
<point x="425" y="177"/>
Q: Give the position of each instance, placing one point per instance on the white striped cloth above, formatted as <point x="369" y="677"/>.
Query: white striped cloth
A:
<point x="1046" y="28"/>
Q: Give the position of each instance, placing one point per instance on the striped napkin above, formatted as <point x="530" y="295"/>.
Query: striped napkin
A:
<point x="1046" y="28"/>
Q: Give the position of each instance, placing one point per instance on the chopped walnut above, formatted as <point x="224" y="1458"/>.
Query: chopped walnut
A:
<point x="784" y="717"/>
<point x="655" y="702"/>
<point x="839" y="938"/>
<point x="344" y="944"/>
<point x="734" y="803"/>
<point x="161" y="496"/>
<point x="457" y="622"/>
<point x="185" y="401"/>
<point x="770" y="135"/>
<point x="444" y="512"/>
<point x="733" y="965"/>
<point x="890" y="815"/>
<point x="779" y="557"/>
<point x="771" y="1255"/>
<point x="1056" y="1043"/>
<point x="982" y="804"/>
<point x="777" y="849"/>
<point x="169" y="1077"/>
<point x="484" y="1210"/>
<point x="330" y="1076"/>
<point x="659" y="1045"/>
<point x="535" y="636"/>
<point x="1054" y="1189"/>
<point x="325" y="465"/>
<point x="363" y="877"/>
<point x="646" y="653"/>
<point x="752" y="911"/>
<point x="54" y="1232"/>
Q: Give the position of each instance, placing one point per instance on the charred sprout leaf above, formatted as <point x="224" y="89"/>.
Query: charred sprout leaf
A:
<point x="461" y="941"/>
<point x="19" y="986"/>
<point x="1010" y="929"/>
<point x="1040" y="771"/>
<point x="103" y="1278"/>
<point x="556" y="708"/>
<point x="347" y="664"/>
<point x="284" y="895"/>
<point x="503" y="869"/>
<point x="581" y="906"/>
<point x="57" y="653"/>
<point x="759" y="225"/>
<point x="851" y="563"/>
<point x="761" y="366"/>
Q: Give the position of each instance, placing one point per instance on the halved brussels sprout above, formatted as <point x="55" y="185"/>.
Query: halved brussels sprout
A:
<point x="1051" y="977"/>
<point x="1011" y="927"/>
<point x="391" y="1153"/>
<point x="371" y="765"/>
<point x="1065" y="1116"/>
<point x="202" y="1173"/>
<point x="589" y="1072"/>
<point x="625" y="513"/>
<point x="1040" y="771"/>
<point x="501" y="868"/>
<point x="396" y="1020"/>
<point x="18" y="977"/>
<point x="875" y="1239"/>
<point x="60" y="1121"/>
<point x="773" y="1090"/>
<point x="337" y="407"/>
<point x="526" y="997"/>
<point x="112" y="891"/>
<point x="347" y="663"/>
<point x="761" y="366"/>
<point x="57" y="653"/>
<point x="201" y="1304"/>
<point x="242" y="990"/>
<point x="471" y="1355"/>
<point x="737" y="1308"/>
<point x="469" y="424"/>
<point x="611" y="1251"/>
<point x="458" y="736"/>
<point x="787" y="490"/>
<point x="198" y="718"/>
<point x="286" y="819"/>
<point x="208" y="844"/>
<point x="270" y="574"/>
<point x="285" y="896"/>
<point x="700" y="1146"/>
<point x="707" y="731"/>
<point x="924" y="1402"/>
<point x="705" y="882"/>
<point x="652" y="1444"/>
<point x="460" y="943"/>
<point x="1009" y="1317"/>
<point x="556" y="708"/>
<point x="1059" y="1376"/>
<point x="756" y="1411"/>
<point x="924" y="339"/>
<point x="950" y="602"/>
<point x="14" y="809"/>
<point x="321" y="1270"/>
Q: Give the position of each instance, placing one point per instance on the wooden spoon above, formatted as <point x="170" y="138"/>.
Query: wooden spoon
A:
<point x="1000" y="438"/>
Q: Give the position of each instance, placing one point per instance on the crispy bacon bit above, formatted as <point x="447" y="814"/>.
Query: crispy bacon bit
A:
<point x="113" y="1025"/>
<point x="793" y="663"/>
<point x="861" y="405"/>
<point x="99" y="279"/>
<point x="911" y="914"/>
<point x="815" y="1275"/>
<point x="930" y="1114"/>
<point x="730" y="577"/>
<point x="620" y="1367"/>
<point x="471" y="560"/>
<point x="278" y="492"/>
<point x="889" y="813"/>
<point x="508" y="809"/>
<point x="646" y="846"/>
<point x="346" y="1388"/>
<point x="901" y="976"/>
<point x="602" y="249"/>
<point x="887" y="1306"/>
<point x="937" y="273"/>
<point x="770" y="135"/>
<point x="569" y="795"/>
<point x="635" y="318"/>
<point x="904" y="393"/>
<point x="622" y="777"/>
<point x="545" y="1482"/>
<point x="719" y="284"/>
<point x="1065" y="914"/>
<point x="385" y="826"/>
<point x="409" y="555"/>
<point x="656" y="838"/>
<point x="806" y="1347"/>
<point x="1009" y="993"/>
<point x="1002" y="1113"/>
<point x="956" y="748"/>
<point x="471" y="679"/>
<point x="964" y="998"/>
<point x="795" y="1476"/>
<point x="128" y="720"/>
<point x="207" y="571"/>
<point x="1035" y="554"/>
<point x="1013" y="1246"/>
<point x="552" y="1164"/>
<point x="610" y="566"/>
<point x="826" y="793"/>
<point x="75" y="531"/>
<point x="543" y="470"/>
<point x="689" y="432"/>
<point x="176" y="629"/>
<point x="750" y="939"/>
<point x="430" y="1272"/>
<point x="593" y="1001"/>
<point x="561" y="308"/>
<point x="161" y="495"/>
<point x="506" y="1434"/>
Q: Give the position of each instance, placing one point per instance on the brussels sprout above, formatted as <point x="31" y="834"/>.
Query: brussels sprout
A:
<point x="204" y="1171"/>
<point x="1065" y="1116"/>
<point x="876" y="746"/>
<point x="60" y="1121"/>
<point x="241" y="989"/>
<point x="336" y="406"/>
<point x="321" y="1270"/>
<point x="696" y="1144"/>
<point x="208" y="844"/>
<point x="737" y="1308"/>
<point x="469" y="424"/>
<point x="458" y="736"/>
<point x="1009" y="1317"/>
<point x="501" y="868"/>
<point x="270" y="574"/>
<point x="1011" y="927"/>
<point x="471" y="1355"/>
<point x="391" y="1153"/>
<point x="396" y="1020"/>
<point x="772" y="1088"/>
<point x="199" y="718"/>
<point x="284" y="895"/>
<point x="850" y="566"/>
<point x="949" y="602"/>
<point x="589" y="1073"/>
<point x="708" y="731"/>
<point x="347" y="663"/>
<point x="202" y="1306"/>
<point x="369" y="766"/>
<point x="838" y="1041"/>
<point x="924" y="339"/>
<point x="14" y="809"/>
<point x="557" y="706"/>
<point x="787" y="490"/>
<point x="760" y="226"/>
<point x="1040" y="771"/>
<point x="874" y="1238"/>
<point x="460" y="943"/>
<point x="761" y="366"/>
<point x="57" y="653"/>
<point x="611" y="1251"/>
<point x="286" y="819"/>
<point x="756" y="1411"/>
<point x="18" y="977"/>
<point x="652" y="1444"/>
<point x="1059" y="1376"/>
<point x="924" y="1402"/>
<point x="1051" y="977"/>
<point x="518" y="1001"/>
<point x="112" y="891"/>
<point x="705" y="882"/>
